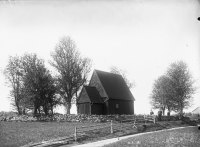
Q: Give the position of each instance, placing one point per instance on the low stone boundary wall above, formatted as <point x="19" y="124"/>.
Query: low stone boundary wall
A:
<point x="86" y="118"/>
<point x="70" y="118"/>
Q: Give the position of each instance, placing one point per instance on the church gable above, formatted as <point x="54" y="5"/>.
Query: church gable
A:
<point x="114" y="86"/>
<point x="93" y="94"/>
<point x="89" y="95"/>
<point x="84" y="98"/>
<point x="95" y="82"/>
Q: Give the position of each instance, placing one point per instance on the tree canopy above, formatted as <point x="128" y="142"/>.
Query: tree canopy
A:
<point x="161" y="96"/>
<point x="13" y="75"/>
<point x="72" y="69"/>
<point x="183" y="85"/>
<point x="174" y="90"/>
<point x="32" y="86"/>
<point x="39" y="85"/>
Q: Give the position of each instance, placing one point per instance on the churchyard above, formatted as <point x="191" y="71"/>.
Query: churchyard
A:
<point x="59" y="130"/>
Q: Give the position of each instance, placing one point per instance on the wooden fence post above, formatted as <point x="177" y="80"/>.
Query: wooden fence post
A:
<point x="75" y="134"/>
<point x="111" y="127"/>
<point x="144" y="120"/>
<point x="154" y="120"/>
<point x="120" y="126"/>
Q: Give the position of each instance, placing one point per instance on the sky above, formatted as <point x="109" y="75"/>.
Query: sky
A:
<point x="142" y="37"/>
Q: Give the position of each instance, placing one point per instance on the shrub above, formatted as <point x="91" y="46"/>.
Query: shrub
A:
<point x="187" y="120"/>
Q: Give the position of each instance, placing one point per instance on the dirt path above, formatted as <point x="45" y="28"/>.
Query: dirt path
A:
<point x="113" y="140"/>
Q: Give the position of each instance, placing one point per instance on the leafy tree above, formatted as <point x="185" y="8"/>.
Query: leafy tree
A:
<point x="72" y="69"/>
<point x="115" y="70"/>
<point x="174" y="90"/>
<point x="13" y="75"/>
<point x="32" y="86"/>
<point x="50" y="100"/>
<point x="161" y="96"/>
<point x="182" y="84"/>
<point x="39" y="85"/>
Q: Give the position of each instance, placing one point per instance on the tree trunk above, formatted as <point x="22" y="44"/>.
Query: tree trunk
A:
<point x="181" y="110"/>
<point x="68" y="103"/>
<point x="39" y="110"/>
<point x="51" y="110"/>
<point x="23" y="111"/>
<point x="35" y="111"/>
<point x="163" y="111"/>
<point x="168" y="113"/>
<point x="45" y="109"/>
<point x="68" y="107"/>
<point x="18" y="108"/>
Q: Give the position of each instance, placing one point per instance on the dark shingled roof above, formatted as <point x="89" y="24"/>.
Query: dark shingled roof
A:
<point x="93" y="94"/>
<point x="114" y="85"/>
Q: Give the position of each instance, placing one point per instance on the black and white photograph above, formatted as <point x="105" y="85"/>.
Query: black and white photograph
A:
<point x="100" y="73"/>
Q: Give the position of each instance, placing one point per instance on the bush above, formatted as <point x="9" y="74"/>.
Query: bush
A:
<point x="187" y="120"/>
<point x="141" y="128"/>
<point x="169" y="118"/>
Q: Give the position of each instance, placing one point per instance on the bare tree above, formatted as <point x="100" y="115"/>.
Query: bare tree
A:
<point x="72" y="69"/>
<point x="115" y="70"/>
<point x="183" y="85"/>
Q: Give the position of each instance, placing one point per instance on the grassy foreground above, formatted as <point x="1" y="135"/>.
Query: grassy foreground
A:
<point x="187" y="137"/>
<point x="20" y="133"/>
<point x="15" y="134"/>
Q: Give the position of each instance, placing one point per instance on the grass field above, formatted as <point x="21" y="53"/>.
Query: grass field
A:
<point x="14" y="134"/>
<point x="187" y="137"/>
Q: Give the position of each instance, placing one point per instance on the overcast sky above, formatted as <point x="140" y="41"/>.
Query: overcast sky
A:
<point x="142" y="37"/>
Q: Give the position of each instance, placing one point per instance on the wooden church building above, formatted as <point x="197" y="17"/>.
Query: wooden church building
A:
<point x="107" y="93"/>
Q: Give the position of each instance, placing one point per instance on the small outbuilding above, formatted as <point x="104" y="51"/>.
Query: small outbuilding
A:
<point x="107" y="93"/>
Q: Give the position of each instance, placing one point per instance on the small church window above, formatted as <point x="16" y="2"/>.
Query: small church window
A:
<point x="117" y="105"/>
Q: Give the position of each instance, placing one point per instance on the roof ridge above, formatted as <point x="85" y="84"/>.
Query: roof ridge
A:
<point x="108" y="72"/>
<point x="89" y="86"/>
<point x="196" y="109"/>
<point x="114" y="85"/>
